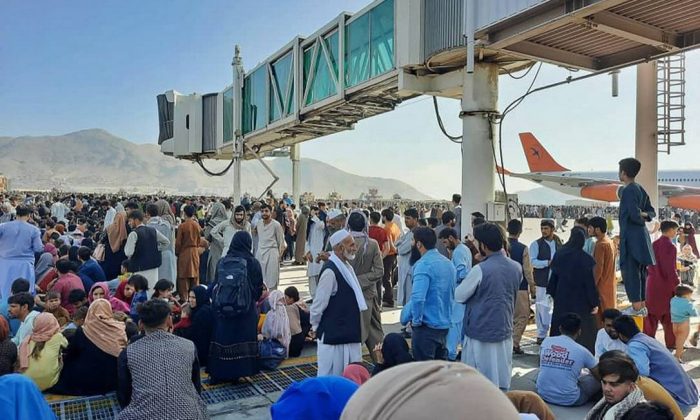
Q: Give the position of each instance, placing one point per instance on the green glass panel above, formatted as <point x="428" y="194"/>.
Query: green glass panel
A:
<point x="291" y="102"/>
<point x="333" y="47"/>
<point x="246" y="118"/>
<point x="281" y="70"/>
<point x="322" y="84"/>
<point x="357" y="51"/>
<point x="382" y="38"/>
<point x="255" y="100"/>
<point x="308" y="55"/>
<point x="228" y="115"/>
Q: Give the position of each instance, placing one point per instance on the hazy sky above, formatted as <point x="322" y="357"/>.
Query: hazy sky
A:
<point x="66" y="66"/>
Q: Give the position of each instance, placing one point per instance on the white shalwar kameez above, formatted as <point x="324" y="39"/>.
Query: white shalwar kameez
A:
<point x="314" y="245"/>
<point x="493" y="360"/>
<point x="403" y="250"/>
<point x="270" y="242"/>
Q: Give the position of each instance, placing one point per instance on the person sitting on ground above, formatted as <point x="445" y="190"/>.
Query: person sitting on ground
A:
<point x="299" y="324"/>
<point x="101" y="291"/>
<point x="78" y="298"/>
<point x="560" y="380"/>
<point x="197" y="322"/>
<point x="528" y="402"/>
<point x="655" y="361"/>
<point x="18" y="286"/>
<point x="90" y="271"/>
<point x="77" y="321"/>
<point x="276" y="325"/>
<point x="125" y="292"/>
<point x="94" y="347"/>
<point x="393" y="351"/>
<point x="424" y="390"/>
<point x="53" y="306"/>
<point x="21" y="308"/>
<point x="321" y="398"/>
<point x="648" y="411"/>
<point x="357" y="373"/>
<point x="607" y="338"/>
<point x="163" y="290"/>
<point x="618" y="379"/>
<point x="143" y="384"/>
<point x="140" y="285"/>
<point x="8" y="349"/>
<point x="66" y="282"/>
<point x="40" y="352"/>
<point x="20" y="399"/>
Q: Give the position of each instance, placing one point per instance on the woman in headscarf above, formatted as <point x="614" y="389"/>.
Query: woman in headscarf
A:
<point x="234" y="348"/>
<point x="392" y="352"/>
<point x="101" y="291"/>
<point x="20" y="399"/>
<point x="124" y="292"/>
<point x="40" y="352"/>
<point x="51" y="249"/>
<point x="422" y="390"/>
<point x="114" y="242"/>
<point x="90" y="362"/>
<point x="321" y="398"/>
<point x="300" y="244"/>
<point x="222" y="234"/>
<point x="217" y="215"/>
<point x="572" y="286"/>
<point x="276" y="325"/>
<point x="43" y="265"/>
<point x="357" y="373"/>
<point x="198" y="324"/>
<point x="167" y="269"/>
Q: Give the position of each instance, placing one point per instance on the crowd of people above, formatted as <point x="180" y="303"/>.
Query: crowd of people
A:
<point x="95" y="283"/>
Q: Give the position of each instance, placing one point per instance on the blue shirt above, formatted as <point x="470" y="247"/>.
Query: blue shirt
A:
<point x="139" y="298"/>
<point x="462" y="260"/>
<point x="13" y="322"/>
<point x="433" y="292"/>
<point x="561" y="361"/>
<point x="681" y="309"/>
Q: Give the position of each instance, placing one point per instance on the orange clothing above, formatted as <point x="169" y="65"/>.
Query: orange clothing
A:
<point x="392" y="233"/>
<point x="604" y="255"/>
<point x="187" y="246"/>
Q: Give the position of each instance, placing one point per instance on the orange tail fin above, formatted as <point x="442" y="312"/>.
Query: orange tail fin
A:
<point x="538" y="158"/>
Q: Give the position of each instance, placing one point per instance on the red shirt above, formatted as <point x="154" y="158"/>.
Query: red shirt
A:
<point x="378" y="234"/>
<point x="64" y="285"/>
<point x="662" y="278"/>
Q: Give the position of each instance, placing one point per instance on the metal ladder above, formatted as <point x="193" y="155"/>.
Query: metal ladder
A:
<point x="670" y="102"/>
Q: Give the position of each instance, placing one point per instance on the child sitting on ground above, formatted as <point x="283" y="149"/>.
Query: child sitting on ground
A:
<point x="299" y="323"/>
<point x="140" y="285"/>
<point x="163" y="290"/>
<point x="681" y="311"/>
<point x="78" y="321"/>
<point x="687" y="268"/>
<point x="78" y="298"/>
<point x="53" y="306"/>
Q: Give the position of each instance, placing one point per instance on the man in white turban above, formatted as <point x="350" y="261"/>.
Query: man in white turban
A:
<point x="336" y="309"/>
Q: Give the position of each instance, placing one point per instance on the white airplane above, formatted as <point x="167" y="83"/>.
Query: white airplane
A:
<point x="676" y="188"/>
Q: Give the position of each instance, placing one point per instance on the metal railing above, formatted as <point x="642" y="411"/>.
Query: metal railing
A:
<point x="670" y="102"/>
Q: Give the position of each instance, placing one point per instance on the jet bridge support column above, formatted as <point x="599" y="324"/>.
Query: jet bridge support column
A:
<point x="295" y="155"/>
<point x="645" y="145"/>
<point x="480" y="139"/>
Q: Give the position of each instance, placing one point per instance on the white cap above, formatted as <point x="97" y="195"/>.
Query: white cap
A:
<point x="339" y="237"/>
<point x="333" y="213"/>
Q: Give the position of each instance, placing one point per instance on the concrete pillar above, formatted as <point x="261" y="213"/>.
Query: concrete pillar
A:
<point x="295" y="155"/>
<point x="479" y="97"/>
<point x="645" y="145"/>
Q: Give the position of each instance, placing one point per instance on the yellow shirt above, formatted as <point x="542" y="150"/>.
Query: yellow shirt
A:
<point x="654" y="392"/>
<point x="45" y="370"/>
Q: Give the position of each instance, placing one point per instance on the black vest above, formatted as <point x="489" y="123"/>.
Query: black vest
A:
<point x="340" y="322"/>
<point x="146" y="255"/>
<point x="544" y="253"/>
<point x="517" y="250"/>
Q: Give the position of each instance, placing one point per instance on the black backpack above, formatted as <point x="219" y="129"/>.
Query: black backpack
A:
<point x="232" y="296"/>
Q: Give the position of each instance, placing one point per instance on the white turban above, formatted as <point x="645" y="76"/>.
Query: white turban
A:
<point x="339" y="237"/>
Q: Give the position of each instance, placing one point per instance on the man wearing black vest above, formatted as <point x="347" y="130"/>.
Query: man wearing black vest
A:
<point x="143" y="247"/>
<point x="336" y="310"/>
<point x="520" y="254"/>
<point x="542" y="252"/>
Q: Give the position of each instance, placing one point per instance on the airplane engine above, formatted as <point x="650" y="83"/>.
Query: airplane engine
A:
<point x="603" y="192"/>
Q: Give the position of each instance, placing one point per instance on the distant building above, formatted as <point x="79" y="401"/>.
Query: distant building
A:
<point x="307" y="198"/>
<point x="335" y="196"/>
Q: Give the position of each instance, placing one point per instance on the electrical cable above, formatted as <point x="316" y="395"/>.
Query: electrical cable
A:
<point x="518" y="77"/>
<point x="210" y="173"/>
<point x="453" y="139"/>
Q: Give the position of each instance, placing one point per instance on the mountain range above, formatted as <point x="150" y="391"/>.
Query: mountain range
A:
<point x="96" y="161"/>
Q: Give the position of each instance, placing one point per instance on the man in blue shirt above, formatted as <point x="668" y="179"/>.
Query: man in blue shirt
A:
<point x="429" y="310"/>
<point x="560" y="380"/>
<point x="656" y="362"/>
<point x="461" y="258"/>
<point x="542" y="253"/>
<point x="90" y="271"/>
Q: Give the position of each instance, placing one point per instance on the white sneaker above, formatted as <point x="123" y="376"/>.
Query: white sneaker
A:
<point x="632" y="312"/>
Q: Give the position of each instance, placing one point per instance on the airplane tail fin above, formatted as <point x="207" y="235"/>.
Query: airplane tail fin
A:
<point x="538" y="158"/>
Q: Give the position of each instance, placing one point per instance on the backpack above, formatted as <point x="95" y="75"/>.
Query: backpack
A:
<point x="232" y="295"/>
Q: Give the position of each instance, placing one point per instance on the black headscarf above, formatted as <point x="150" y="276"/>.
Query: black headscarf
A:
<point x="241" y="246"/>
<point x="202" y="295"/>
<point x="394" y="351"/>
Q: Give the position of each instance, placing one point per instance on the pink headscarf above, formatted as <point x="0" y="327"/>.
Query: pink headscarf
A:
<point x="45" y="327"/>
<point x="116" y="304"/>
<point x="51" y="249"/>
<point x="356" y="373"/>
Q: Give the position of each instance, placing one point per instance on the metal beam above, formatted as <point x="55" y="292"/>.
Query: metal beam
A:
<point x="508" y="32"/>
<point x="554" y="55"/>
<point x="633" y="30"/>
<point x="628" y="56"/>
